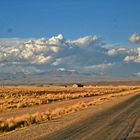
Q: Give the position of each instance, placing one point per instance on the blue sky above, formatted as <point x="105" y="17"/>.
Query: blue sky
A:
<point x="114" y="20"/>
<point x="92" y="37"/>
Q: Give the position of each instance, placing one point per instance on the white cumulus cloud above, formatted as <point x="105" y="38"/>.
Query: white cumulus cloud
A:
<point x="85" y="55"/>
<point x="134" y="38"/>
<point x="133" y="58"/>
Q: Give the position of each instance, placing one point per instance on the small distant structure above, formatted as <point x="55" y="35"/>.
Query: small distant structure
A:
<point x="65" y="86"/>
<point x="77" y="85"/>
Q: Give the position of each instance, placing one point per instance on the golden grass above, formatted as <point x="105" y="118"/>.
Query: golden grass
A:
<point x="29" y="119"/>
<point x="26" y="96"/>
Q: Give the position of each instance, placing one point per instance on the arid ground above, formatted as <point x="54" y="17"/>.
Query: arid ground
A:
<point x="70" y="113"/>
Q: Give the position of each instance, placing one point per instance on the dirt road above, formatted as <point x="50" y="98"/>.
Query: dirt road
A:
<point x="114" y="123"/>
<point x="113" y="120"/>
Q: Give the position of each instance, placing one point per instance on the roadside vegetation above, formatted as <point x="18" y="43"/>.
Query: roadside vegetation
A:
<point x="107" y="93"/>
<point x="26" y="96"/>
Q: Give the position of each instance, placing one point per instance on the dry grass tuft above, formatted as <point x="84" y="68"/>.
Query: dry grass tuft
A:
<point x="26" y="96"/>
<point x="15" y="99"/>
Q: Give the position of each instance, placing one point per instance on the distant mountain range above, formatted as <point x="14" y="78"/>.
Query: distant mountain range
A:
<point x="55" y="77"/>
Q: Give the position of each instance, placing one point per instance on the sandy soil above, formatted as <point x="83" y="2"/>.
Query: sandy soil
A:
<point x="115" y="119"/>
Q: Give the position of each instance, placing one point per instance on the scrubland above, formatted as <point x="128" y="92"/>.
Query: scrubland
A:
<point x="14" y="98"/>
<point x="25" y="96"/>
